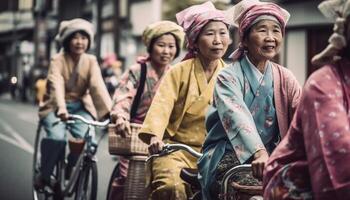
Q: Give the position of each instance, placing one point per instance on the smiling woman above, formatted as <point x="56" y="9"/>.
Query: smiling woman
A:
<point x="74" y="86"/>
<point x="163" y="40"/>
<point x="178" y="109"/>
<point x="254" y="98"/>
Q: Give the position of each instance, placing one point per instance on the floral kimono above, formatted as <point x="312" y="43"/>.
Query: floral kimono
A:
<point x="312" y="161"/>
<point x="248" y="114"/>
<point x="127" y="88"/>
<point x="177" y="115"/>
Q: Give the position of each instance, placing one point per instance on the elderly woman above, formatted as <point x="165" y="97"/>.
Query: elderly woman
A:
<point x="254" y="98"/>
<point x="312" y="161"/>
<point x="179" y="106"/>
<point x="163" y="40"/>
<point x="75" y="86"/>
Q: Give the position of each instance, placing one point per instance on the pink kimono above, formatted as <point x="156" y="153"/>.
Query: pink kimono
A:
<point x="312" y="161"/>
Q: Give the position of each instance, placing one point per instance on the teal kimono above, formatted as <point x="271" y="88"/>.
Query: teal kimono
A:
<point x="243" y="116"/>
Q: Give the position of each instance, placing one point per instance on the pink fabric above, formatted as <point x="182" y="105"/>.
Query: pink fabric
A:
<point x="315" y="154"/>
<point x="287" y="93"/>
<point x="194" y="18"/>
<point x="143" y="59"/>
<point x="248" y="18"/>
<point x="127" y="87"/>
<point x="123" y="166"/>
<point x="109" y="59"/>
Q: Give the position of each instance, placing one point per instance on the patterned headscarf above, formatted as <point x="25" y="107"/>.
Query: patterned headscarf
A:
<point x="157" y="29"/>
<point x="249" y="12"/>
<point x="194" y="18"/>
<point x="337" y="10"/>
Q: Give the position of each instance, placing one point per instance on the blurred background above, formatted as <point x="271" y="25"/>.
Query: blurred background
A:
<point x="27" y="41"/>
<point x="28" y="29"/>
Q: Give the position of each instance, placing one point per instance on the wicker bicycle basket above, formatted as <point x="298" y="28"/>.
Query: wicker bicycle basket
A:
<point x="127" y="146"/>
<point x="135" y="185"/>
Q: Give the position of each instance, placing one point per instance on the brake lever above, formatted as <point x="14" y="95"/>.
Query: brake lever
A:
<point x="165" y="151"/>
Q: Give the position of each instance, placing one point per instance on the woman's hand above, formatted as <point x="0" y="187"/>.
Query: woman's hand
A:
<point x="122" y="125"/>
<point x="258" y="164"/>
<point x="63" y="116"/>
<point x="156" y="145"/>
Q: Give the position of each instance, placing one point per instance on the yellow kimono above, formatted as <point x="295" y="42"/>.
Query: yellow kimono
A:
<point x="177" y="115"/>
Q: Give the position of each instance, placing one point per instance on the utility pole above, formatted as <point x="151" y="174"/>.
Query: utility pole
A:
<point x="116" y="28"/>
<point x="15" y="47"/>
<point x="40" y="35"/>
<point x="99" y="28"/>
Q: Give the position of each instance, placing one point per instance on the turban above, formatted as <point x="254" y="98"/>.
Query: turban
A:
<point x="194" y="18"/>
<point x="69" y="27"/>
<point x="157" y="29"/>
<point x="249" y="12"/>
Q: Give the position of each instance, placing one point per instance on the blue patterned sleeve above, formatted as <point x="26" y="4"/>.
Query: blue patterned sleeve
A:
<point x="235" y="115"/>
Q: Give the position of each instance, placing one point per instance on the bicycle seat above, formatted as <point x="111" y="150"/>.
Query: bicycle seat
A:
<point x="189" y="175"/>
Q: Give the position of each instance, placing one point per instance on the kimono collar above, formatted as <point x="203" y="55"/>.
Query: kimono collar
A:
<point x="201" y="77"/>
<point x="256" y="72"/>
<point x="251" y="75"/>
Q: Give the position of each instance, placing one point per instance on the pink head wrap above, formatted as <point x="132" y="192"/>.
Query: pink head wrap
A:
<point x="246" y="13"/>
<point x="194" y="18"/>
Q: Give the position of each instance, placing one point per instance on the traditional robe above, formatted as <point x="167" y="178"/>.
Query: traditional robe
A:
<point x="127" y="88"/>
<point x="312" y="160"/>
<point x="247" y="115"/>
<point x="177" y="115"/>
<point x="82" y="82"/>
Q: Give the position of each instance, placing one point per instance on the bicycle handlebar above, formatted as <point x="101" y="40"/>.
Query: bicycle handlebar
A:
<point x="184" y="147"/>
<point x="89" y="122"/>
<point x="231" y="172"/>
<point x="169" y="148"/>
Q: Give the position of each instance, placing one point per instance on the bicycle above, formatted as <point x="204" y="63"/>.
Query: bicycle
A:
<point x="83" y="178"/>
<point x="229" y="189"/>
<point x="135" y="185"/>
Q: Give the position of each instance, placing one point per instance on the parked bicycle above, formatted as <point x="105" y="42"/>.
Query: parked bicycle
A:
<point x="230" y="188"/>
<point x="82" y="180"/>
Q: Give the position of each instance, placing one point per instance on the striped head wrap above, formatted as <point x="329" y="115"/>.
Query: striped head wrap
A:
<point x="249" y="12"/>
<point x="194" y="18"/>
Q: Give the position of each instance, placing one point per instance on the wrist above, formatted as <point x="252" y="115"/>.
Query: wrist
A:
<point x="260" y="152"/>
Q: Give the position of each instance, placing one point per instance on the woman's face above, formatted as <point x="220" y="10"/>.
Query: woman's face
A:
<point x="264" y="40"/>
<point x="213" y="40"/>
<point x="164" y="50"/>
<point x="78" y="44"/>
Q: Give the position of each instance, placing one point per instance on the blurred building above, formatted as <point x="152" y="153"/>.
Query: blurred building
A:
<point x="28" y="29"/>
<point x="306" y="35"/>
<point x="16" y="43"/>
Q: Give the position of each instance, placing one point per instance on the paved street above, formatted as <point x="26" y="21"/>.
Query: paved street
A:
<point x="18" y="123"/>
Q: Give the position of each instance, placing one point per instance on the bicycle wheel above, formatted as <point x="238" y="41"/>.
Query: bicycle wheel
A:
<point x="86" y="188"/>
<point x="44" y="193"/>
<point x="47" y="192"/>
<point x="115" y="173"/>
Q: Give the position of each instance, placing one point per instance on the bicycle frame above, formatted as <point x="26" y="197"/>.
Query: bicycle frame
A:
<point x="87" y="156"/>
<point x="169" y="148"/>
